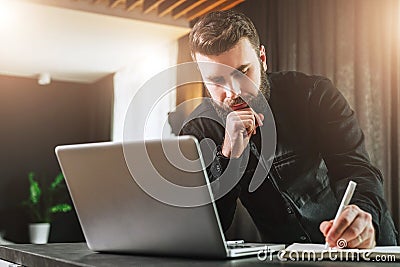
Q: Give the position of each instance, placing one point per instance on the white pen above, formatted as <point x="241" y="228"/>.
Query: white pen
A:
<point x="345" y="201"/>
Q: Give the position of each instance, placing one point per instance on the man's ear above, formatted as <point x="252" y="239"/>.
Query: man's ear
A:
<point x="263" y="57"/>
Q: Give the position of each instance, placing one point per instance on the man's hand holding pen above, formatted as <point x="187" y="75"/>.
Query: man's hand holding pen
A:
<point x="354" y="225"/>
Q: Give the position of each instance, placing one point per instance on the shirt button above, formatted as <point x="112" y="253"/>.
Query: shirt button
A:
<point x="289" y="210"/>
<point x="303" y="238"/>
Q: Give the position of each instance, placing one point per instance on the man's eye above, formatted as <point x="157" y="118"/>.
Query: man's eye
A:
<point x="240" y="73"/>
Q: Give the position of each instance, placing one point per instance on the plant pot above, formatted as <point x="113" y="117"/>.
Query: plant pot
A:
<point x="39" y="233"/>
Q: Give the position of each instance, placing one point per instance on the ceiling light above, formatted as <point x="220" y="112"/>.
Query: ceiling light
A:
<point x="44" y="78"/>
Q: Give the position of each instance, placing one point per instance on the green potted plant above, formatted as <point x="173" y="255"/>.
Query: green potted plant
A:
<point x="41" y="206"/>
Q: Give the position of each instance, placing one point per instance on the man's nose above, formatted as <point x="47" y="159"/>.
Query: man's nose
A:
<point x="233" y="89"/>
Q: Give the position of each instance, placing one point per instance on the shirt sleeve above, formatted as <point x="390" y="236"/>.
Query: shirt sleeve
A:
<point x="341" y="143"/>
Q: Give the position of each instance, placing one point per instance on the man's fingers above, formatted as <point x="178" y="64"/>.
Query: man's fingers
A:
<point x="242" y="121"/>
<point x="240" y="126"/>
<point x="344" y="221"/>
<point x="363" y="240"/>
<point x="355" y="228"/>
<point x="361" y="233"/>
<point x="259" y="119"/>
<point x="248" y="125"/>
<point x="251" y="128"/>
<point x="240" y="117"/>
<point x="353" y="225"/>
<point x="325" y="226"/>
<point x="245" y="120"/>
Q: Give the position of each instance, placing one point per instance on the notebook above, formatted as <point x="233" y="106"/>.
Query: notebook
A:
<point x="119" y="215"/>
<point x="316" y="252"/>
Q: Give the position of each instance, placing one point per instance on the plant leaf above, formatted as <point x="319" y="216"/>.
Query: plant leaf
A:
<point x="57" y="181"/>
<point x="60" y="208"/>
<point x="34" y="189"/>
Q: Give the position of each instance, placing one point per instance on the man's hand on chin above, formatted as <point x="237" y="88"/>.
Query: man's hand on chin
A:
<point x="240" y="126"/>
<point x="354" y="226"/>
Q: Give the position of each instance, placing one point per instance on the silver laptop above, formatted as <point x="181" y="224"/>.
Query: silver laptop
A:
<point x="121" y="207"/>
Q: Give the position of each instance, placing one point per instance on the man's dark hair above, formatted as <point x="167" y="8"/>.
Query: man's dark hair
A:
<point x="219" y="31"/>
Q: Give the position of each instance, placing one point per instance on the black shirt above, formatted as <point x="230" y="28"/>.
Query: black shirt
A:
<point x="319" y="148"/>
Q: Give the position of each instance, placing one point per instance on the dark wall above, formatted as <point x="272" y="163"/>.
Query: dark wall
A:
<point x="267" y="25"/>
<point x="101" y="109"/>
<point x="35" y="119"/>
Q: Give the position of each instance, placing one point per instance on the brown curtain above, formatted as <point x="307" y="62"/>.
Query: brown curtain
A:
<point x="355" y="43"/>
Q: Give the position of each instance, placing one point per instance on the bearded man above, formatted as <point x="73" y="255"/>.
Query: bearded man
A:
<point x="319" y="145"/>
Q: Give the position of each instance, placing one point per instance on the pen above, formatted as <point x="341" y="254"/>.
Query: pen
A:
<point x="345" y="201"/>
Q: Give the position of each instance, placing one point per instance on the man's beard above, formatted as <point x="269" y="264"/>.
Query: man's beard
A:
<point x="258" y="103"/>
